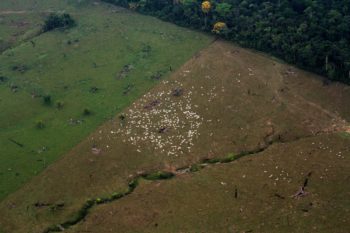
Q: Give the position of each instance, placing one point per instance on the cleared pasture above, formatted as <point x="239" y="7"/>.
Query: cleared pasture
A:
<point x="225" y="101"/>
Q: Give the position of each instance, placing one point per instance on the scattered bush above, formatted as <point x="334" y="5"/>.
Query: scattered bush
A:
<point x="230" y="157"/>
<point x="94" y="89"/>
<point x="3" y="79"/>
<point x="195" y="168"/>
<point x="160" y="175"/>
<point x="132" y="185"/>
<point x="121" y="117"/>
<point x="40" y="124"/>
<point x="87" y="112"/>
<point x="211" y="161"/>
<point x="47" y="99"/>
<point x="54" y="21"/>
<point x="59" y="104"/>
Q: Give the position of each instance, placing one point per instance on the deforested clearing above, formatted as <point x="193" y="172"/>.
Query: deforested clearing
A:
<point x="125" y="123"/>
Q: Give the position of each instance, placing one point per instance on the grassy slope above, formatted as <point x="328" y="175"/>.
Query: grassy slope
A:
<point x="243" y="102"/>
<point x="66" y="65"/>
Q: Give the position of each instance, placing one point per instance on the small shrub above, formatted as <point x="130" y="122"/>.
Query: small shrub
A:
<point x="160" y="175"/>
<point x="94" y="89"/>
<point x="14" y="88"/>
<point x="116" y="196"/>
<point x="40" y="124"/>
<point x="99" y="200"/>
<point x="121" y="117"/>
<point x="3" y="79"/>
<point x="47" y="99"/>
<point x="87" y="112"/>
<point x="195" y="168"/>
<point x="230" y="157"/>
<point x="211" y="161"/>
<point x="59" y="104"/>
<point x="54" y="21"/>
<point x="133" y="184"/>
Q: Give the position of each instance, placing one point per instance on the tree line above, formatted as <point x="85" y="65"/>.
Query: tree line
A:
<point x="312" y="34"/>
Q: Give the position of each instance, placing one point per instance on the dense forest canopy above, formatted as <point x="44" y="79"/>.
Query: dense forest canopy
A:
<point x="312" y="34"/>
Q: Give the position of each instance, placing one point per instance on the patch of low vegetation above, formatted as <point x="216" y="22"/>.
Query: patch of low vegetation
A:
<point x="345" y="134"/>
<point x="54" y="21"/>
<point x="195" y="168"/>
<point x="3" y="79"/>
<point x="40" y="124"/>
<point x="87" y="112"/>
<point x="47" y="100"/>
<point x="160" y="175"/>
<point x="59" y="104"/>
<point x="20" y="68"/>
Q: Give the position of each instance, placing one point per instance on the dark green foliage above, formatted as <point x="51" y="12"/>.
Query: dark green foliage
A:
<point x="160" y="175"/>
<point x="314" y="35"/>
<point x="121" y="117"/>
<point x="94" y="89"/>
<point x="54" y="21"/>
<point x="40" y="124"/>
<point x="133" y="184"/>
<point x="214" y="160"/>
<point x="116" y="196"/>
<point x="20" y="68"/>
<point x="47" y="99"/>
<point x="195" y="168"/>
<point x="3" y="79"/>
<point x="87" y="112"/>
<point x="230" y="157"/>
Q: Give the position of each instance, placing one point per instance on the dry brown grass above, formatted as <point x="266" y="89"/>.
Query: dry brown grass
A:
<point x="264" y="186"/>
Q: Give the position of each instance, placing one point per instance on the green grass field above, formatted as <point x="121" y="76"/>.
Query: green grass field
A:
<point x="82" y="68"/>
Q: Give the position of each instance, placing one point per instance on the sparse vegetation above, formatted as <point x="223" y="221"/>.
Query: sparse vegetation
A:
<point x="47" y="100"/>
<point x="40" y="124"/>
<point x="3" y="79"/>
<point x="160" y="175"/>
<point x="87" y="112"/>
<point x="59" y="104"/>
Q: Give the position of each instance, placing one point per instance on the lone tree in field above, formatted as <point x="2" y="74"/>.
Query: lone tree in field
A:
<point x="54" y="21"/>
<point x="206" y="6"/>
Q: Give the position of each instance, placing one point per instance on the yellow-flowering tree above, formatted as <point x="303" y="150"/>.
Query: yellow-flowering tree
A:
<point x="206" y="6"/>
<point x="219" y="27"/>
